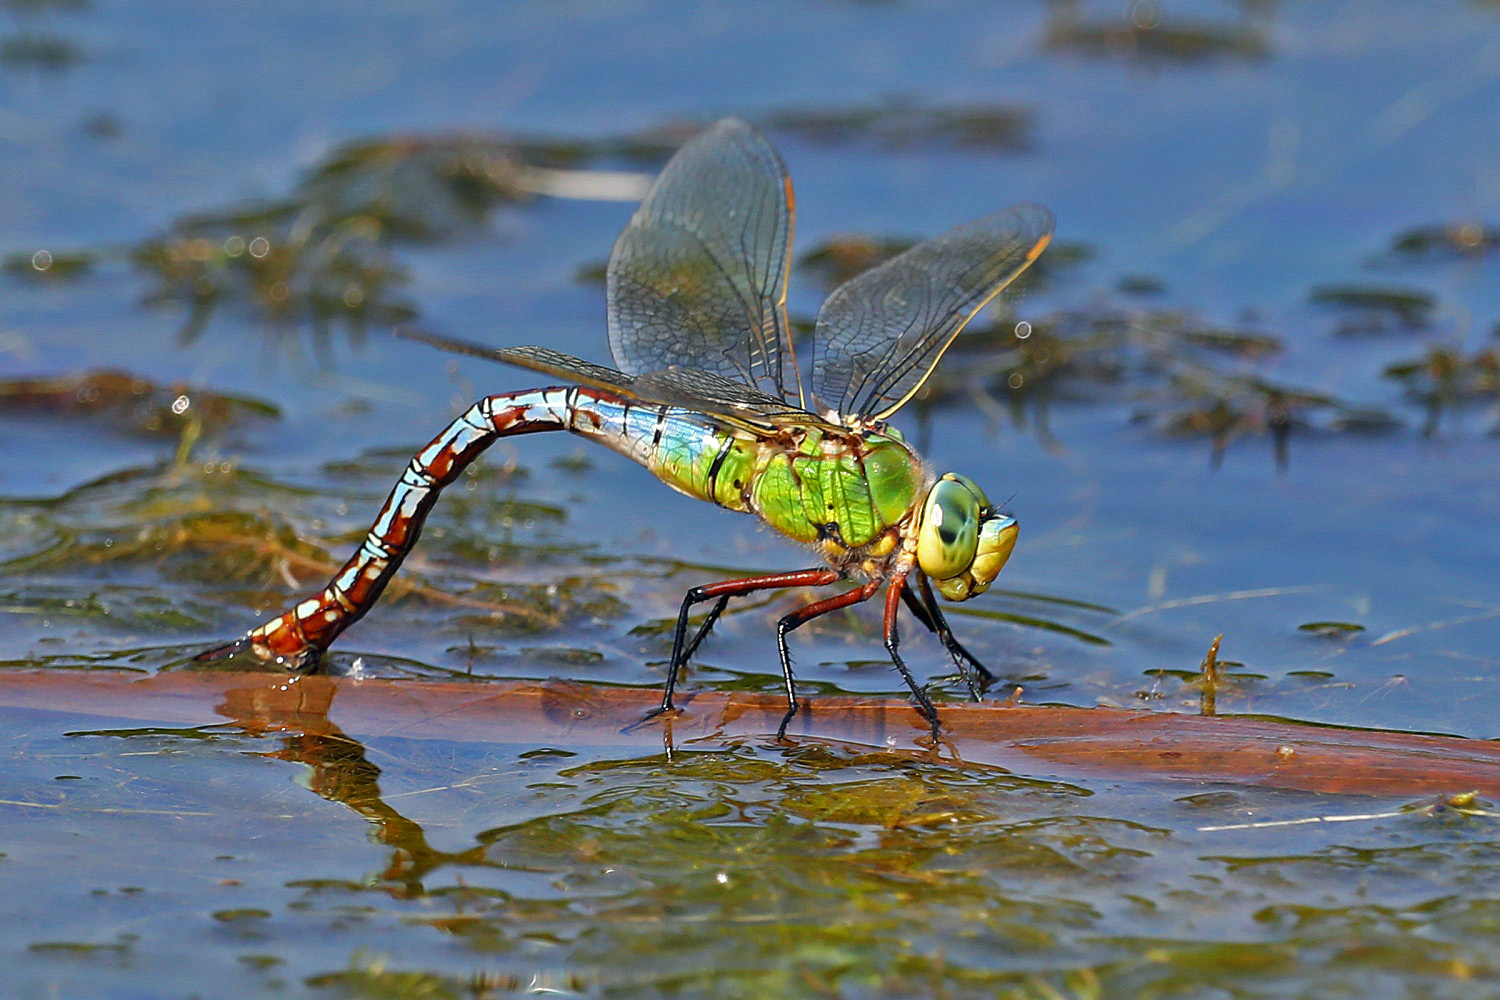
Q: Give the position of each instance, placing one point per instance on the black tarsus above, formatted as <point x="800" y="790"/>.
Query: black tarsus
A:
<point x="720" y="593"/>
<point x="924" y="608"/>
<point x="929" y="613"/>
<point x="892" y="641"/>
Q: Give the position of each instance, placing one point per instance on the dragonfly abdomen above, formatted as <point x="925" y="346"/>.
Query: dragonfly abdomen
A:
<point x="690" y="452"/>
<point x="298" y="636"/>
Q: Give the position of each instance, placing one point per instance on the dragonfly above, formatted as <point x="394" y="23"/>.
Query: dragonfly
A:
<point x="708" y="395"/>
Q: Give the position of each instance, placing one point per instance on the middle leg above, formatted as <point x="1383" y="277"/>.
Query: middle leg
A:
<point x="720" y="593"/>
<point x="801" y="617"/>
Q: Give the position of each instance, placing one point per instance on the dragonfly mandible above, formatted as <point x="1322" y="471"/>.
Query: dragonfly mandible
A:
<point x="707" y="395"/>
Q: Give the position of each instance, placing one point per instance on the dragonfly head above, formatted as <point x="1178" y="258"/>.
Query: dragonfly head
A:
<point x="962" y="542"/>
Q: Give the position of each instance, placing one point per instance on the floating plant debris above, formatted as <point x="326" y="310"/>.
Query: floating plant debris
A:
<point x="1376" y="308"/>
<point x="41" y="51"/>
<point x="46" y="265"/>
<point x="1145" y="36"/>
<point x="1450" y="239"/>
<point x="1444" y="379"/>
<point x="896" y="124"/>
<point x="323" y="252"/>
<point x="131" y="402"/>
<point x="1331" y="630"/>
<point x="238" y="538"/>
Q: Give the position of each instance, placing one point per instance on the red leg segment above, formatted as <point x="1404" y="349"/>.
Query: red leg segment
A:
<point x="818" y="576"/>
<point x="801" y="617"/>
<point x="926" y="610"/>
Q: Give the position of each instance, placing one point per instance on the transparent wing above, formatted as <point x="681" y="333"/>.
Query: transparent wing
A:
<point x="538" y="359"/>
<point x="711" y="393"/>
<point x="880" y="335"/>
<point x="690" y="388"/>
<point x="698" y="277"/>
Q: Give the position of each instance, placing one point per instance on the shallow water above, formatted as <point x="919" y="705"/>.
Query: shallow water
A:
<point x="1269" y="216"/>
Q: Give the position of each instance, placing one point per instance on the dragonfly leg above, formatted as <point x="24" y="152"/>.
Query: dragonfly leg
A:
<point x="297" y="638"/>
<point x="801" y="617"/>
<point x="893" y="641"/>
<point x="682" y="651"/>
<point x="930" y="613"/>
<point x="702" y="633"/>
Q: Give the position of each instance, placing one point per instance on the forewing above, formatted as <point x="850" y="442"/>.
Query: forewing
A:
<point x="698" y="277"/>
<point x="880" y="335"/>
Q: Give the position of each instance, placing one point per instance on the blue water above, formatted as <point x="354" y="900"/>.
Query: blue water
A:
<point x="1287" y="151"/>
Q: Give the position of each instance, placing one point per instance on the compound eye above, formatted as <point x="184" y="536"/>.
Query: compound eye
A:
<point x="949" y="534"/>
<point x="973" y="487"/>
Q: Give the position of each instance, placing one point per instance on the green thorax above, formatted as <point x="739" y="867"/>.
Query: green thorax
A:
<point x="842" y="488"/>
<point x="814" y="484"/>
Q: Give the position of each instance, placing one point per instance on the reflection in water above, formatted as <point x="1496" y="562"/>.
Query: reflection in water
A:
<point x="778" y="867"/>
<point x="342" y="772"/>
<point x="587" y="867"/>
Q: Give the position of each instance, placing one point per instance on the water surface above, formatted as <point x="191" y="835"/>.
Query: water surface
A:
<point x="1271" y="218"/>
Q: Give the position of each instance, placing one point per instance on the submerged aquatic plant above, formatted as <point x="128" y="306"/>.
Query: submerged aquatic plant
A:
<point x="897" y="123"/>
<point x="1367" y="309"/>
<point x="132" y="403"/>
<point x="1458" y="240"/>
<point x="1147" y="34"/>
<point x="232" y="536"/>
<point x="323" y="253"/>
<point x="1445" y="380"/>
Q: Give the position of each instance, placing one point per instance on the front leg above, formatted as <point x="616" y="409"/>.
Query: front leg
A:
<point x="929" y="613"/>
<point x="892" y="644"/>
<point x="297" y="638"/>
